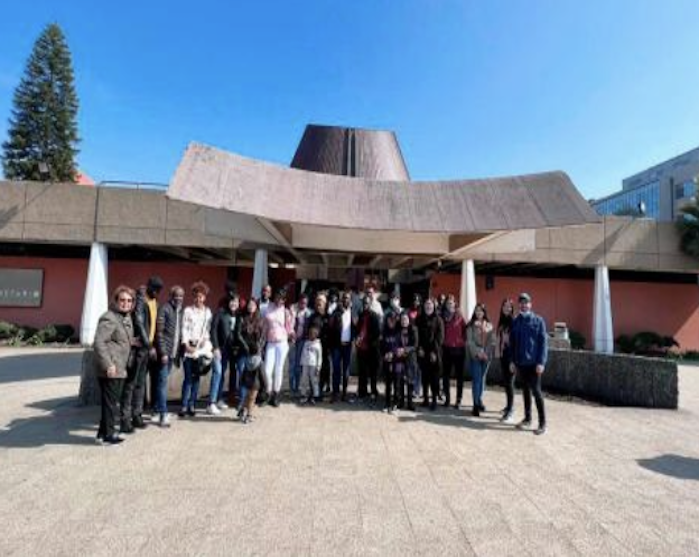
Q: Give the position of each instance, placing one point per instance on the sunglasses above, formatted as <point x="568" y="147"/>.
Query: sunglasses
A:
<point x="126" y="300"/>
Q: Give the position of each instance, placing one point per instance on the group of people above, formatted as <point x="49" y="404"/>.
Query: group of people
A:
<point x="246" y="345"/>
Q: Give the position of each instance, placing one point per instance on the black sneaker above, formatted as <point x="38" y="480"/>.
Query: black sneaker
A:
<point x="138" y="422"/>
<point x="182" y="413"/>
<point x="191" y="413"/>
<point x="113" y="440"/>
<point x="433" y="406"/>
<point x="126" y="428"/>
<point x="475" y="412"/>
<point x="457" y="406"/>
<point x="540" y="430"/>
<point x="524" y="423"/>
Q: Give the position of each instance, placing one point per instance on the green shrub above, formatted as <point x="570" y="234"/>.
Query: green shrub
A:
<point x="646" y="343"/>
<point x="7" y="330"/>
<point x="577" y="340"/>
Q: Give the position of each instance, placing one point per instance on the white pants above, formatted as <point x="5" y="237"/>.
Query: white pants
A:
<point x="275" y="358"/>
<point x="309" y="382"/>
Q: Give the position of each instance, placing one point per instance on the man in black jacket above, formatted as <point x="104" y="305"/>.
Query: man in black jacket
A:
<point x="168" y="340"/>
<point x="340" y="341"/>
<point x="142" y="357"/>
<point x="368" y="340"/>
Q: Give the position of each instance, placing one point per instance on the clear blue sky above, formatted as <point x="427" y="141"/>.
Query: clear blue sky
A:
<point x="600" y="89"/>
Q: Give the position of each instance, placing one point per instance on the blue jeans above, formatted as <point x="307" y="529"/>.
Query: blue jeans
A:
<point x="295" y="365"/>
<point x="161" y="393"/>
<point x="218" y="376"/>
<point x="341" y="367"/>
<point x="190" y="385"/>
<point x="478" y="370"/>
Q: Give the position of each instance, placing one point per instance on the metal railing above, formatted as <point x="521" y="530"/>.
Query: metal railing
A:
<point x="126" y="184"/>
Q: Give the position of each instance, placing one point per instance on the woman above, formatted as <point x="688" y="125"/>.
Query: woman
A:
<point x="321" y="320"/>
<point x="251" y="339"/>
<point x="430" y="328"/>
<point x="480" y="349"/>
<point x="406" y="360"/>
<point x="196" y="341"/>
<point x="454" y="351"/>
<point x="503" y="342"/>
<point x="414" y="312"/>
<point x="224" y="339"/>
<point x="389" y="349"/>
<point x="114" y="338"/>
<point x="278" y="326"/>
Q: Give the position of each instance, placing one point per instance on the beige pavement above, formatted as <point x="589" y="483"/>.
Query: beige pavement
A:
<point x="336" y="480"/>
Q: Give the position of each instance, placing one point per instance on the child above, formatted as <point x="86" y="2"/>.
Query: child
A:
<point x="311" y="362"/>
<point x="251" y="382"/>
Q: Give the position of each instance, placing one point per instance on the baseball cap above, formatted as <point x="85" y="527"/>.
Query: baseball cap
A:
<point x="524" y="296"/>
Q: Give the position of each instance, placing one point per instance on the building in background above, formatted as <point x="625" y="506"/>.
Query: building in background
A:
<point x="662" y="190"/>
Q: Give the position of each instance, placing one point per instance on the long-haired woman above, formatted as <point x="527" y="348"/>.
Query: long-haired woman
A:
<point x="480" y="337"/>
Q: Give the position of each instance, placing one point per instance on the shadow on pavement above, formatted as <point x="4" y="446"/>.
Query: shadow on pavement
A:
<point x="65" y="424"/>
<point x="676" y="466"/>
<point x="32" y="367"/>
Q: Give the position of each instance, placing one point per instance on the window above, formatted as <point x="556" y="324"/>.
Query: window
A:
<point x="627" y="202"/>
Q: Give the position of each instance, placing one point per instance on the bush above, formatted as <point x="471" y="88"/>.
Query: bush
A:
<point x="7" y="330"/>
<point x="577" y="340"/>
<point x="646" y="343"/>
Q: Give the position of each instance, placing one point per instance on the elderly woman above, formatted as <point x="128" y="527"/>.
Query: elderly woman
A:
<point x="113" y="340"/>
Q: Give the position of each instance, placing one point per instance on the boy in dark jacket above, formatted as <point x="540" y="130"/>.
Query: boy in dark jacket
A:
<point x="529" y="347"/>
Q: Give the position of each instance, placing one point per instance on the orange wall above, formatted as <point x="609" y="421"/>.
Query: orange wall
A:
<point x="668" y="309"/>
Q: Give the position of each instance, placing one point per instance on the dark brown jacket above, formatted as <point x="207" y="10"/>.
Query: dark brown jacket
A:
<point x="113" y="340"/>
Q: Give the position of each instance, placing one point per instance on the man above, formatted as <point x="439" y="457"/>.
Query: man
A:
<point x="376" y="306"/>
<point x="301" y="314"/>
<point x="168" y="338"/>
<point x="368" y="348"/>
<point x="529" y="346"/>
<point x="321" y="320"/>
<point x="265" y="300"/>
<point x="340" y="339"/>
<point x="143" y="355"/>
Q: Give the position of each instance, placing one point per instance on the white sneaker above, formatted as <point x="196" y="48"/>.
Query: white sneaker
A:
<point x="222" y="405"/>
<point x="165" y="420"/>
<point x="156" y="418"/>
<point x="213" y="410"/>
<point x="509" y="419"/>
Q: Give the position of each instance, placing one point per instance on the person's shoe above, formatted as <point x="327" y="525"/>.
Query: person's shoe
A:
<point x="311" y="401"/>
<point x="165" y="420"/>
<point x="446" y="403"/>
<point x="524" y="423"/>
<point x="138" y="422"/>
<point x="113" y="440"/>
<point x="391" y="410"/>
<point x="411" y="405"/>
<point x="433" y="406"/>
<point x="182" y="413"/>
<point x="222" y="405"/>
<point x="508" y="419"/>
<point x="126" y="428"/>
<point x="457" y="406"/>
<point x="191" y="413"/>
<point x="475" y="412"/>
<point x="384" y="409"/>
<point x="481" y="407"/>
<point x="99" y="440"/>
<point x="372" y="401"/>
<point x="425" y="403"/>
<point x="245" y="420"/>
<point x="540" y="430"/>
<point x="275" y="400"/>
<point x="440" y="397"/>
<point x="213" y="410"/>
<point x="155" y="418"/>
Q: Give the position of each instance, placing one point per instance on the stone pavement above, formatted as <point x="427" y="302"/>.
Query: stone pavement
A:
<point x="337" y="480"/>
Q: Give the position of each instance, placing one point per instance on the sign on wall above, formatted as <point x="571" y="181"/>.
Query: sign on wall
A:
<point x="21" y="287"/>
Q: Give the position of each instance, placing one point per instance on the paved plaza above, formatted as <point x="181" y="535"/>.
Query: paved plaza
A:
<point x="340" y="480"/>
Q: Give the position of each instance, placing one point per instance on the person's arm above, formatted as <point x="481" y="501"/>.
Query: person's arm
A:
<point x="215" y="322"/>
<point x="207" y="327"/>
<point x="160" y="327"/>
<point x="471" y="342"/>
<point x="319" y="352"/>
<point x="542" y="346"/>
<point x="513" y="345"/>
<point x="104" y="332"/>
<point x="139" y="322"/>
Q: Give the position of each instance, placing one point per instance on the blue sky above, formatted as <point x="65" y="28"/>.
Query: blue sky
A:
<point x="600" y="89"/>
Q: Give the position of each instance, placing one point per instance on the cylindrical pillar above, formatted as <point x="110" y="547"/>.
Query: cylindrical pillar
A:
<point x="602" y="329"/>
<point x="95" y="302"/>
<point x="259" y="275"/>
<point x="467" y="296"/>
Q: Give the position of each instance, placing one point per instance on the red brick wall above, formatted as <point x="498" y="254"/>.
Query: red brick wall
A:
<point x="668" y="309"/>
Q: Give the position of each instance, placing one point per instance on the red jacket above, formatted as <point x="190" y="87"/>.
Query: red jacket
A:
<point x="455" y="331"/>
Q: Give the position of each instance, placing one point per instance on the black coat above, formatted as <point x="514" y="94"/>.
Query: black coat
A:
<point x="251" y="337"/>
<point x="166" y="330"/>
<point x="373" y="330"/>
<point x="321" y="321"/>
<point x="222" y="336"/>
<point x="335" y="328"/>
<point x="430" y="332"/>
<point x="141" y="321"/>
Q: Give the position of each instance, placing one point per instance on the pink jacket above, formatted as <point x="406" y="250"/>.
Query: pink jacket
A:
<point x="278" y="324"/>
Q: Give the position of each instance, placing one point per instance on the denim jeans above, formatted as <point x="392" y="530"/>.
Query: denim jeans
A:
<point x="341" y="367"/>
<point x="161" y="393"/>
<point x="218" y="376"/>
<point x="295" y="352"/>
<point x="478" y="370"/>
<point x="190" y="385"/>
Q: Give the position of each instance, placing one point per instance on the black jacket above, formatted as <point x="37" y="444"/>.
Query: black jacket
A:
<point x="335" y="328"/>
<point x="141" y="321"/>
<point x="373" y="330"/>
<point x="251" y="338"/>
<point x="166" y="332"/>
<point x="321" y="321"/>
<point x="222" y="336"/>
<point x="430" y="332"/>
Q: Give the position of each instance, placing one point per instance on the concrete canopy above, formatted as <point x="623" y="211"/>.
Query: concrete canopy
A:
<point x="294" y="200"/>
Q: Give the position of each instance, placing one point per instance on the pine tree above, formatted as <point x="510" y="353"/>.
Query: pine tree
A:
<point x="43" y="131"/>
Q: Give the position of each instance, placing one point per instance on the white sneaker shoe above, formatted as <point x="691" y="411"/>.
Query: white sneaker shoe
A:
<point x="165" y="420"/>
<point x="509" y="419"/>
<point x="222" y="405"/>
<point x="213" y="410"/>
<point x="155" y="418"/>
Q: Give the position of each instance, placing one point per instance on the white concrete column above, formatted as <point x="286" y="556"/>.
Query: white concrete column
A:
<point x="96" y="299"/>
<point x="602" y="329"/>
<point x="467" y="297"/>
<point x="259" y="275"/>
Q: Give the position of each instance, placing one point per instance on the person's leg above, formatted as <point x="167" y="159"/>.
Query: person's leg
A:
<point x="374" y="372"/>
<point x="142" y="360"/>
<point x="388" y="375"/>
<point x="314" y="376"/>
<point x="226" y="363"/>
<point x="186" y="383"/>
<point x="216" y="379"/>
<point x="434" y="383"/>
<point x="526" y="393"/>
<point x="127" y="397"/>
<point x="161" y="394"/>
<point x="270" y="355"/>
<point x="196" y="380"/>
<point x="475" y="376"/>
<point x="483" y="366"/>
<point x="337" y="370"/>
<point x="424" y="375"/>
<point x="282" y="353"/>
<point x="446" y="374"/>
<point x="539" y="399"/>
<point x="235" y="396"/>
<point x="304" y="384"/>
<point x="112" y="389"/>
<point x="102" y="430"/>
<point x="346" y="355"/>
<point x="362" y="372"/>
<point x="459" y="362"/>
<point x="508" y="379"/>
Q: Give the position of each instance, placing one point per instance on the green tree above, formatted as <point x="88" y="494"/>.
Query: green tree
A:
<point x="43" y="131"/>
<point x="688" y="226"/>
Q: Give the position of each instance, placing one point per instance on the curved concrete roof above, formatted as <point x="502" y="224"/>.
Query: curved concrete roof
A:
<point x="215" y="178"/>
